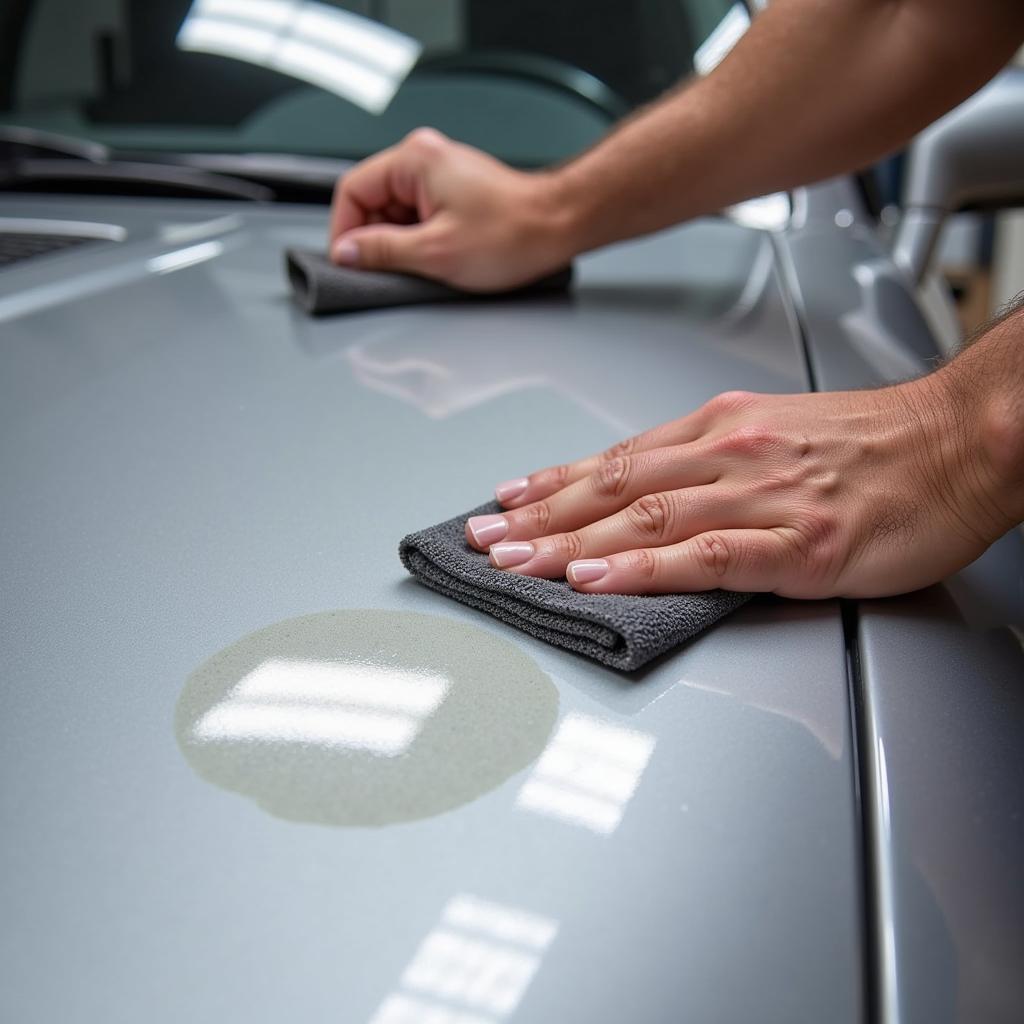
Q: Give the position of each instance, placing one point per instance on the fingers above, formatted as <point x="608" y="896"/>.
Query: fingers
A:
<point x="744" y="560"/>
<point x="653" y="520"/>
<point x="611" y="487"/>
<point x="522" y="490"/>
<point x="381" y="246"/>
<point x="361" y="193"/>
<point x="386" y="186"/>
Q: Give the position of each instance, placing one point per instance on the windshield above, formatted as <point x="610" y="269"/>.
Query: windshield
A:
<point x="530" y="81"/>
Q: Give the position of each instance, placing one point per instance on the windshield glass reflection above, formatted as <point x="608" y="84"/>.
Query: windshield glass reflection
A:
<point x="351" y="56"/>
<point x="587" y="774"/>
<point x="473" y="968"/>
<point x="363" y="707"/>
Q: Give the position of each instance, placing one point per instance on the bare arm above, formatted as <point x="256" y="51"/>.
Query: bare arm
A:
<point x="815" y="87"/>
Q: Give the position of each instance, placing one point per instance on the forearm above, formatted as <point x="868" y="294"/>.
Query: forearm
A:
<point x="814" y="88"/>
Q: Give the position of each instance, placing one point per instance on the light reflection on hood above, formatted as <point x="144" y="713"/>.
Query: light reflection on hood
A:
<point x="361" y="706"/>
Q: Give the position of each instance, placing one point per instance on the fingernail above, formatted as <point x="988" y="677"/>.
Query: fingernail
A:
<point x="513" y="552"/>
<point x="510" y="489"/>
<point x="346" y="251"/>
<point x="587" y="570"/>
<point x="487" y="530"/>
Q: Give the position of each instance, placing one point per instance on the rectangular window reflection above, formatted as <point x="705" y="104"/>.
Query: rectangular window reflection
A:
<point x="354" y="57"/>
<point x="588" y="773"/>
<point x="473" y="968"/>
<point x="358" y="706"/>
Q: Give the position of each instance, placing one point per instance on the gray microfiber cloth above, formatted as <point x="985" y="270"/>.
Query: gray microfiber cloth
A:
<point x="320" y="286"/>
<point x="619" y="630"/>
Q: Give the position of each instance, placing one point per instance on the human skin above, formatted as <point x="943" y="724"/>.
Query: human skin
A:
<point x="814" y="88"/>
<point x="845" y="493"/>
<point x="853" y="494"/>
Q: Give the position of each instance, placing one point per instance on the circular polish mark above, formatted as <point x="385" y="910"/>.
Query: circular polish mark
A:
<point x="365" y="717"/>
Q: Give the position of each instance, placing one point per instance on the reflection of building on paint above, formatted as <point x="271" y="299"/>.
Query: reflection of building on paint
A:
<point x="351" y="56"/>
<point x="588" y="773"/>
<point x="323" y="703"/>
<point x="473" y="968"/>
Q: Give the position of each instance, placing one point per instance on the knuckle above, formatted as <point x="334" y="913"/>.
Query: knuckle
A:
<point x="535" y="517"/>
<point x="715" y="554"/>
<point x="730" y="401"/>
<point x="423" y="139"/>
<point x="756" y="440"/>
<point x="555" y="477"/>
<point x="570" y="545"/>
<point x="640" y="563"/>
<point x="820" y="525"/>
<point x="814" y="537"/>
<point x="652" y="516"/>
<point x="611" y="476"/>
<point x="618" y="450"/>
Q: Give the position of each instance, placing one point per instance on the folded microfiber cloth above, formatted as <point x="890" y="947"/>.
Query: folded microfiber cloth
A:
<point x="319" y="286"/>
<point x="620" y="630"/>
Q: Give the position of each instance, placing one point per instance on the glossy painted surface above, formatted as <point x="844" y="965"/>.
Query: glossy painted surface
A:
<point x="946" y="754"/>
<point x="940" y="684"/>
<point x="186" y="459"/>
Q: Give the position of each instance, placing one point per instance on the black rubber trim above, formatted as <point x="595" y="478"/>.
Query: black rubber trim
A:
<point x="784" y="268"/>
<point x="866" y="824"/>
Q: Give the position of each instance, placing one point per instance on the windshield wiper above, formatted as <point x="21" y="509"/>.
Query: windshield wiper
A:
<point x="116" y="177"/>
<point x="16" y="141"/>
<point x="284" y="177"/>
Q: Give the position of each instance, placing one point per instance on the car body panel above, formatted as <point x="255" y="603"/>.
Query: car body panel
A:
<point x="187" y="458"/>
<point x="943" y="751"/>
<point x="938" y="677"/>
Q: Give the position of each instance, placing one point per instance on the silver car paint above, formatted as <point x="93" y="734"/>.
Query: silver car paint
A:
<point x="673" y="318"/>
<point x="939" y="680"/>
<point x="186" y="458"/>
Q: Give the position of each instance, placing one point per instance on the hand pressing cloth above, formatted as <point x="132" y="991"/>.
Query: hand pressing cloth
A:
<point x="623" y="631"/>
<point x="320" y="286"/>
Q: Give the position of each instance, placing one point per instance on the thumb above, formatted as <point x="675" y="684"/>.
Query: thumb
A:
<point x="385" y="247"/>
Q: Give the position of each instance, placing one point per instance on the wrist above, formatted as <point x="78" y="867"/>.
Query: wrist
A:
<point x="982" y="420"/>
<point x="569" y="212"/>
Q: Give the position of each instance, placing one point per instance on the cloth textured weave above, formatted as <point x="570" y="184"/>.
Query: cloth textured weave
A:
<point x="619" y="630"/>
<point x="319" y="286"/>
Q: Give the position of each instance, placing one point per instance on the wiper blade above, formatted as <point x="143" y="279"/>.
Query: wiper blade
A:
<point x="117" y="177"/>
<point x="283" y="176"/>
<point x="314" y="172"/>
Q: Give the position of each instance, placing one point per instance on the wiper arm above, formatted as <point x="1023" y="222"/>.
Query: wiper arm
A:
<point x="16" y="141"/>
<point x="283" y="168"/>
<point x="117" y="177"/>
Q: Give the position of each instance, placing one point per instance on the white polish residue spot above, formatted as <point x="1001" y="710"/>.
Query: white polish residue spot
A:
<point x="362" y="707"/>
<point x="365" y="717"/>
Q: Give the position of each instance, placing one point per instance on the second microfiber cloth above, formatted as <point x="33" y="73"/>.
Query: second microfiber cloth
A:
<point x="619" y="630"/>
<point x="320" y="286"/>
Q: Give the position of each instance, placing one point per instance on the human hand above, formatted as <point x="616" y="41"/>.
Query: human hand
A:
<point x="850" y="494"/>
<point x="437" y="208"/>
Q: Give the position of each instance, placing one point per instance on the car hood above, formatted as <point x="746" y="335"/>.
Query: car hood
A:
<point x="188" y="458"/>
